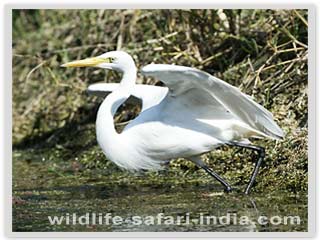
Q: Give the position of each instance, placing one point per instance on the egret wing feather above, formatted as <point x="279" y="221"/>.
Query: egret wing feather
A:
<point x="149" y="95"/>
<point x="181" y="80"/>
<point x="102" y="89"/>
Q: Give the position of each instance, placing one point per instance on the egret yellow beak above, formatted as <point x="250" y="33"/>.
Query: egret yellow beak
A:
<point x="88" y="62"/>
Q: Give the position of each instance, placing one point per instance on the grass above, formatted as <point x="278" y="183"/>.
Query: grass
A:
<point x="263" y="52"/>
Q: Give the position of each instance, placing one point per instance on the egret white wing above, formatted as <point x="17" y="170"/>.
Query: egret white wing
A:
<point x="102" y="89"/>
<point x="184" y="82"/>
<point x="149" y="95"/>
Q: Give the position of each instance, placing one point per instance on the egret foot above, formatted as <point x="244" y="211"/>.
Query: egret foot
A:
<point x="228" y="189"/>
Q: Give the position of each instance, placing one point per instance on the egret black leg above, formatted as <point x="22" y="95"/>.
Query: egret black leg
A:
<point x="261" y="155"/>
<point x="226" y="185"/>
<point x="200" y="163"/>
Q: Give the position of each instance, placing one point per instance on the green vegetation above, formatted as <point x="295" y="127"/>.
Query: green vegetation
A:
<point x="263" y="52"/>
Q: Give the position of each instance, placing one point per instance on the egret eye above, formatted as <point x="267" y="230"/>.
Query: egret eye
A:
<point x="109" y="59"/>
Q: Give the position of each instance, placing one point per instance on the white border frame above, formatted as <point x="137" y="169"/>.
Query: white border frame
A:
<point x="114" y="4"/>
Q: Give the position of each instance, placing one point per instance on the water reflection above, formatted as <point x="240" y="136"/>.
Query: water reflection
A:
<point x="201" y="208"/>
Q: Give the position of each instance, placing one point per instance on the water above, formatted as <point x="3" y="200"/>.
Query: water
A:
<point x="55" y="188"/>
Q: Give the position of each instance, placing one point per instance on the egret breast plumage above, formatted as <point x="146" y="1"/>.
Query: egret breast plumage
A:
<point x="192" y="114"/>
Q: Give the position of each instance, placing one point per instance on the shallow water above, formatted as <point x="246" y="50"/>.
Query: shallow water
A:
<point x="48" y="188"/>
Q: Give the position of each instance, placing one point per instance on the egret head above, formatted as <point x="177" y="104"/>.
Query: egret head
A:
<point x="115" y="60"/>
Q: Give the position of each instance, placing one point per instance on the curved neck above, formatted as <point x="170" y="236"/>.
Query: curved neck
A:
<point x="128" y="79"/>
<point x="107" y="136"/>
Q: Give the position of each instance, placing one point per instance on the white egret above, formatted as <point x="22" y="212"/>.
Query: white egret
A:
<point x="194" y="114"/>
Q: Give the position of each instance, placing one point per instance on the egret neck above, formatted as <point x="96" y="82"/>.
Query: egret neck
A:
<point x="107" y="136"/>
